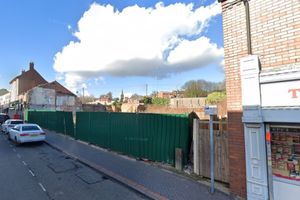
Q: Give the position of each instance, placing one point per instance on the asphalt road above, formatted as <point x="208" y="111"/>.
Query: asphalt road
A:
<point x="37" y="172"/>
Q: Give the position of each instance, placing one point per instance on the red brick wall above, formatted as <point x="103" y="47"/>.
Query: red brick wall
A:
<point x="275" y="35"/>
<point x="236" y="152"/>
<point x="29" y="80"/>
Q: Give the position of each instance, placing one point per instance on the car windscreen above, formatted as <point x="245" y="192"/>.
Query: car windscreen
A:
<point x="30" y="128"/>
<point x="16" y="122"/>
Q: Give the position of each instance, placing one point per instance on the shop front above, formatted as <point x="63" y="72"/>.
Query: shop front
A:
<point x="271" y="117"/>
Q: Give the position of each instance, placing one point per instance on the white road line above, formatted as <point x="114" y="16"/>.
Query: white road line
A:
<point x="24" y="163"/>
<point x="31" y="172"/>
<point x="19" y="156"/>
<point x="14" y="150"/>
<point x="42" y="187"/>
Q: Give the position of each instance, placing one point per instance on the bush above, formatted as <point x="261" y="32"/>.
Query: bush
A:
<point x="147" y="100"/>
<point x="215" y="97"/>
<point x="160" y="101"/>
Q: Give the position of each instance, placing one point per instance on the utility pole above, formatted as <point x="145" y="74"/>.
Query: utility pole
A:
<point x="146" y="90"/>
<point x="83" y="92"/>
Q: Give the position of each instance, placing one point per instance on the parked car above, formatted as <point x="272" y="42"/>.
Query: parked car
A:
<point x="3" y="117"/>
<point x="22" y="133"/>
<point x="10" y="123"/>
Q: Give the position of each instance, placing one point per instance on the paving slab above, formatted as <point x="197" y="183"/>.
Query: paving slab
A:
<point x="147" y="179"/>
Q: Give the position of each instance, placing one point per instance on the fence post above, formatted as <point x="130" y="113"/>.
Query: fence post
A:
<point x="65" y="123"/>
<point x="212" y="155"/>
<point x="196" y="145"/>
<point x="178" y="159"/>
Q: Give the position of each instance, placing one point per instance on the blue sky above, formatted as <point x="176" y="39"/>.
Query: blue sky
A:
<point x="35" y="30"/>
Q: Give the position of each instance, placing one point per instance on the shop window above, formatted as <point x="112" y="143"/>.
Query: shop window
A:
<point x="285" y="145"/>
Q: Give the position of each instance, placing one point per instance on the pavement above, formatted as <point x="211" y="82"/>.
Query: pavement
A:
<point x="35" y="171"/>
<point x="149" y="180"/>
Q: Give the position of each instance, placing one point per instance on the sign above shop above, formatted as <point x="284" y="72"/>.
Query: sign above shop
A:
<point x="281" y="94"/>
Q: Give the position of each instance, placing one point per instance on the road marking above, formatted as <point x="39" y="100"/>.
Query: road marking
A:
<point x="14" y="150"/>
<point x="19" y="156"/>
<point x="31" y="172"/>
<point x="43" y="188"/>
<point x="24" y="163"/>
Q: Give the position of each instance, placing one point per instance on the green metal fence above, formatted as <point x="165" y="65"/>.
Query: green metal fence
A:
<point x="142" y="135"/>
<point x="150" y="136"/>
<point x="58" y="121"/>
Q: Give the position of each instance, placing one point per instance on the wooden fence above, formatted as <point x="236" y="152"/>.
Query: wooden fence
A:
<point x="201" y="149"/>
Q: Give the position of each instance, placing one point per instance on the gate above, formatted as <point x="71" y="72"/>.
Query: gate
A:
<point x="201" y="147"/>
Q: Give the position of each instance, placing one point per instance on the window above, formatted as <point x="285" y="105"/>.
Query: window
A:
<point x="16" y="122"/>
<point x="30" y="128"/>
<point x="286" y="152"/>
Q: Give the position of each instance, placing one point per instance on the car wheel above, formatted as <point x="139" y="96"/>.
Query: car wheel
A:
<point x="8" y="137"/>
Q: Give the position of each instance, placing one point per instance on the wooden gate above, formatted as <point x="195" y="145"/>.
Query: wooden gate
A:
<point x="201" y="140"/>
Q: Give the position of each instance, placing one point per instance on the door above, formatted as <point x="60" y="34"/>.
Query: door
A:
<point x="257" y="182"/>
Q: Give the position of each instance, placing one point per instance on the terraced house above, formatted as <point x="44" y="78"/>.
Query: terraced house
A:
<point x="30" y="90"/>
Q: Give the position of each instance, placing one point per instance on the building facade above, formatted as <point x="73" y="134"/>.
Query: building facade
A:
<point x="30" y="90"/>
<point x="4" y="102"/>
<point x="51" y="96"/>
<point x="262" y="65"/>
<point x="24" y="82"/>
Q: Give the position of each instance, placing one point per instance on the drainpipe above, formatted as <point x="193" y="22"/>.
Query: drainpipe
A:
<point x="249" y="46"/>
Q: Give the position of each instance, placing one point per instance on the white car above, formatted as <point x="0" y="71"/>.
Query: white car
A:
<point x="10" y="123"/>
<point x="26" y="133"/>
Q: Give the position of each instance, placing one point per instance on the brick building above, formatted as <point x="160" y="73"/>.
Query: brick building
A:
<point x="25" y="81"/>
<point x="30" y="90"/>
<point x="51" y="96"/>
<point x="260" y="88"/>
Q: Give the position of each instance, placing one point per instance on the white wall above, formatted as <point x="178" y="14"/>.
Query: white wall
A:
<point x="5" y="99"/>
<point x="187" y="102"/>
<point x="14" y="94"/>
<point x="65" y="100"/>
<point x="39" y="98"/>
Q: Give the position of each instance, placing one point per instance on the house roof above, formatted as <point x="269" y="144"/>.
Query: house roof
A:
<point x="57" y="87"/>
<point x="29" y="74"/>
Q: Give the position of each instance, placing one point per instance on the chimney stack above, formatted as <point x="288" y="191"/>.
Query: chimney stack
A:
<point x="31" y="66"/>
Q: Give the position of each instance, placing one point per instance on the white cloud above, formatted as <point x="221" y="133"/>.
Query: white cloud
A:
<point x="138" y="41"/>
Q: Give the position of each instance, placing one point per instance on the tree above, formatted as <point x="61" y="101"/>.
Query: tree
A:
<point x="122" y="97"/>
<point x="136" y="97"/>
<point x="215" y="97"/>
<point x="116" y="99"/>
<point x="3" y="91"/>
<point x="87" y="99"/>
<point x="147" y="100"/>
<point x="194" y="89"/>
<point x="200" y="88"/>
<point x="109" y="95"/>
<point x="154" y="94"/>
